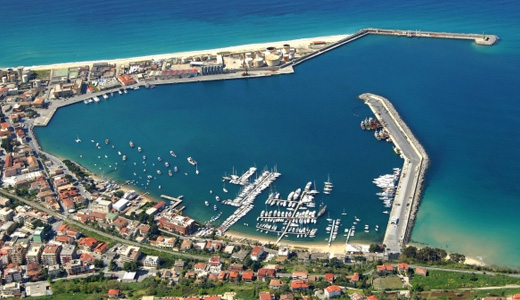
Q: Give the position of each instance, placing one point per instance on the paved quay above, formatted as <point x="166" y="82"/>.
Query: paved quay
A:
<point x="45" y="115"/>
<point x="408" y="194"/>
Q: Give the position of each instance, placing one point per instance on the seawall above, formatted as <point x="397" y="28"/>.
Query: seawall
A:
<point x="409" y="190"/>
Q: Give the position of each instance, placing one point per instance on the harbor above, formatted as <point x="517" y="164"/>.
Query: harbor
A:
<point x="408" y="192"/>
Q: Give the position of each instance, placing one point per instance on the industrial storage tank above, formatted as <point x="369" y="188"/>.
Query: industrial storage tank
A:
<point x="272" y="60"/>
<point x="249" y="62"/>
<point x="258" y="62"/>
<point x="286" y="48"/>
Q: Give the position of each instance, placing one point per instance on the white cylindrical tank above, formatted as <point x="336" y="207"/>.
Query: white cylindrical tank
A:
<point x="249" y="62"/>
<point x="286" y="49"/>
<point x="258" y="62"/>
<point x="272" y="60"/>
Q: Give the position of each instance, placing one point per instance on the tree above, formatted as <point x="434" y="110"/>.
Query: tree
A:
<point x="457" y="258"/>
<point x="130" y="266"/>
<point x="119" y="193"/>
<point x="410" y="252"/>
<point x="7" y="144"/>
<point x="98" y="263"/>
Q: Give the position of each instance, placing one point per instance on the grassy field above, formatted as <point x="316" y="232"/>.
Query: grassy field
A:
<point x="453" y="280"/>
<point x="390" y="283"/>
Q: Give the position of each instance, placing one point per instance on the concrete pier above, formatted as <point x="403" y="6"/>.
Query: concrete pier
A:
<point x="480" y="39"/>
<point x="409" y="189"/>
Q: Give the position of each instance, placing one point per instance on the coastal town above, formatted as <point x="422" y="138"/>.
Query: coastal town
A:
<point x="58" y="221"/>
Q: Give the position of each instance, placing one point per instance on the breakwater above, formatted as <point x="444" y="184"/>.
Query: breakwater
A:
<point x="480" y="39"/>
<point x="409" y="189"/>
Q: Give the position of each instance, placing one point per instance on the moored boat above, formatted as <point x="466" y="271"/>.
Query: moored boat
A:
<point x="192" y="161"/>
<point x="131" y="144"/>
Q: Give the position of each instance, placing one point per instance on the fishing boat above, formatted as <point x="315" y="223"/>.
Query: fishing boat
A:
<point x="139" y="149"/>
<point x="96" y="99"/>
<point x="119" y="153"/>
<point x="386" y="212"/>
<point x="78" y="140"/>
<point x="192" y="161"/>
<point x="107" y="141"/>
<point x="175" y="169"/>
<point x="172" y="153"/>
<point x="131" y="144"/>
<point x="166" y="164"/>
<point x="105" y="96"/>
<point x="124" y="157"/>
<point x="170" y="173"/>
<point x="344" y="213"/>
<point x="85" y="101"/>
<point x="144" y="157"/>
<point x="159" y="158"/>
<point x="119" y="92"/>
<point x="159" y="172"/>
<point x="125" y="91"/>
<point x="215" y="207"/>
<point x="217" y="198"/>
<point x="206" y="203"/>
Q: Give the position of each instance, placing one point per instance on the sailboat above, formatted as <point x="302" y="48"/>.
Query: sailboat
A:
<point x="78" y="140"/>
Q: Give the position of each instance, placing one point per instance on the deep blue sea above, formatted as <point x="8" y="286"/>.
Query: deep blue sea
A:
<point x="460" y="99"/>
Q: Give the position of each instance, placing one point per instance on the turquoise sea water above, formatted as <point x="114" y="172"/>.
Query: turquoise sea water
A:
<point x="459" y="99"/>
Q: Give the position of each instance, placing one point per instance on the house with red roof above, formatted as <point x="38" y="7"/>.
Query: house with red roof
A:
<point x="300" y="275"/>
<point x="114" y="293"/>
<point x="85" y="257"/>
<point x="329" y="277"/>
<point x="88" y="243"/>
<point x="234" y="276"/>
<point x="257" y="253"/>
<point x="266" y="296"/>
<point x="101" y="248"/>
<point x="421" y="271"/>
<point x="299" y="285"/>
<point x="403" y="267"/>
<point x="248" y="276"/>
<point x="222" y="276"/>
<point x="276" y="284"/>
<point x="354" y="278"/>
<point x="332" y="291"/>
<point x="372" y="297"/>
<point x="385" y="269"/>
<point x="126" y="79"/>
<point x="265" y="274"/>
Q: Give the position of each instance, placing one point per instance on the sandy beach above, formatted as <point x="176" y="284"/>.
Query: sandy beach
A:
<point x="337" y="247"/>
<point x="297" y="43"/>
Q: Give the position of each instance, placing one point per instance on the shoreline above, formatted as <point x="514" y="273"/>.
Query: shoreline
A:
<point x="338" y="247"/>
<point x="237" y="48"/>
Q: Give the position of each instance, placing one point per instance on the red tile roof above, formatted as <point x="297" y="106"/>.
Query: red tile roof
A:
<point x="333" y="288"/>
<point x="385" y="268"/>
<point x="329" y="277"/>
<point x="114" y="292"/>
<point x="403" y="266"/>
<point x="299" y="284"/>
<point x="248" y="275"/>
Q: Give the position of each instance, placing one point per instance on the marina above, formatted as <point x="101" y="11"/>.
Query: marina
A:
<point x="244" y="201"/>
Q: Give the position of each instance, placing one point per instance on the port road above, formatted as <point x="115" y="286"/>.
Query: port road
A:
<point x="412" y="174"/>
